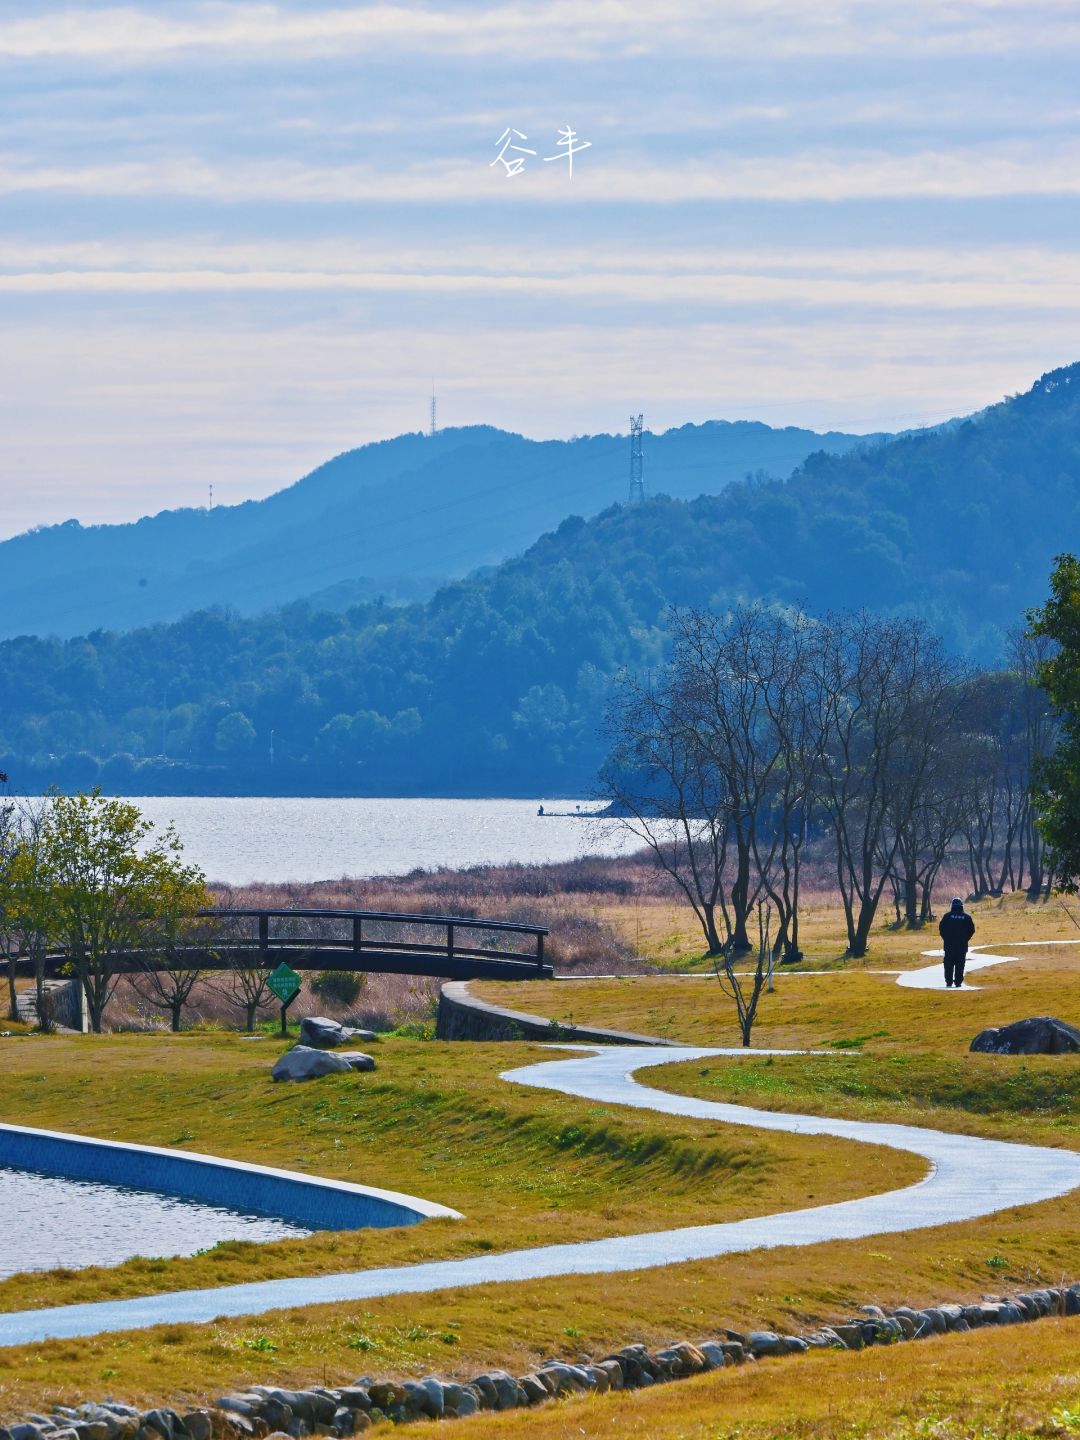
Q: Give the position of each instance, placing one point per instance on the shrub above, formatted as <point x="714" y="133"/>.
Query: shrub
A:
<point x="338" y="987"/>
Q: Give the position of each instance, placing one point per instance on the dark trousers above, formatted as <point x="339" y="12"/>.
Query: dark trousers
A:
<point x="954" y="969"/>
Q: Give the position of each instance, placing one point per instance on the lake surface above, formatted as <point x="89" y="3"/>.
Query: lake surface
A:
<point x="50" y="1222"/>
<point x="241" y="839"/>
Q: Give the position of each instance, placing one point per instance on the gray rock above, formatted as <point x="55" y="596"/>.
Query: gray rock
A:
<point x="765" y="1342"/>
<point x="824" y="1339"/>
<point x="198" y="1424"/>
<point x="534" y="1389"/>
<point x="325" y="1034"/>
<point x="485" y="1389"/>
<point x="465" y="1403"/>
<point x="304" y="1063"/>
<point x="507" y="1395"/>
<point x="422" y="1400"/>
<point x="715" y="1358"/>
<point x="614" y="1372"/>
<point x="682" y="1359"/>
<point x="247" y="1405"/>
<point x="356" y="1059"/>
<point x="850" y="1336"/>
<point x="1041" y="1035"/>
<point x="563" y="1379"/>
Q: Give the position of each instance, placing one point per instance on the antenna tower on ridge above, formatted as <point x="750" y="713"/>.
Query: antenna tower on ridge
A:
<point x="434" y="421"/>
<point x="637" y="461"/>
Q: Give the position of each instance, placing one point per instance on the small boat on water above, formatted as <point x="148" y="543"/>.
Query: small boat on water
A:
<point x="576" y="814"/>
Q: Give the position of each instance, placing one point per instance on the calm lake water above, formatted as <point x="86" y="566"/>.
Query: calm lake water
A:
<point x="240" y="839"/>
<point x="79" y="1222"/>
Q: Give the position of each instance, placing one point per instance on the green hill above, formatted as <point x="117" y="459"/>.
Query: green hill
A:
<point x="497" y="683"/>
<point x="395" y="519"/>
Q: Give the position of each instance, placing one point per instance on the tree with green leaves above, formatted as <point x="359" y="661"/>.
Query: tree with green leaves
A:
<point x="1056" y="784"/>
<point x="116" y="888"/>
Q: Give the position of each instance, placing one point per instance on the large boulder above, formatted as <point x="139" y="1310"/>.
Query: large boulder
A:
<point x="1042" y="1035"/>
<point x="356" y="1059"/>
<point x="326" y="1034"/>
<point x="303" y="1062"/>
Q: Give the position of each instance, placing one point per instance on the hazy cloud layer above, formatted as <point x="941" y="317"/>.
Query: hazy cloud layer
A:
<point x="238" y="237"/>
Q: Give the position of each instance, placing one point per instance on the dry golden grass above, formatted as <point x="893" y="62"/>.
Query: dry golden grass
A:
<point x="991" y="1385"/>
<point x="664" y="930"/>
<point x="527" y="1167"/>
<point x="813" y="1011"/>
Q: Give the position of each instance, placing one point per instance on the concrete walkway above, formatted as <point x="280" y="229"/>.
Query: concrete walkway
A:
<point x="932" y="977"/>
<point x="968" y="1177"/>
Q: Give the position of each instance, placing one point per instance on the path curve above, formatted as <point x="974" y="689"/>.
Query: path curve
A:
<point x="969" y="1177"/>
<point x="931" y="977"/>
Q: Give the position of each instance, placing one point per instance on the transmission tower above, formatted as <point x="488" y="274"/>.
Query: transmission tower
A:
<point x="637" y="461"/>
<point x="434" y="422"/>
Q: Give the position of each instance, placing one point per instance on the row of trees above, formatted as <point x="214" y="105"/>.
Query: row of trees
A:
<point x="768" y="729"/>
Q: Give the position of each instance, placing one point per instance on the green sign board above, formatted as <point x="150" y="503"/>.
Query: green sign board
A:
<point x="285" y="983"/>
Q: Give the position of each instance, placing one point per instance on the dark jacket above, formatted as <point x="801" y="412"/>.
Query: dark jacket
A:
<point x="956" y="929"/>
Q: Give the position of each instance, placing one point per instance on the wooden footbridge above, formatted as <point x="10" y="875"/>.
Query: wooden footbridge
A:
<point x="452" y="947"/>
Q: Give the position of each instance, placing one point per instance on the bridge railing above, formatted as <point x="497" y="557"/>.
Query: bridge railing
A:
<point x="360" y="932"/>
<point x="450" y="946"/>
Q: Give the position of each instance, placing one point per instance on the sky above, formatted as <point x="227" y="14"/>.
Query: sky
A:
<point x="236" y="238"/>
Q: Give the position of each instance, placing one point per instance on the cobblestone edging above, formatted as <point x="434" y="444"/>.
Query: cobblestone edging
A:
<point x="266" y="1410"/>
<point x="463" y="1017"/>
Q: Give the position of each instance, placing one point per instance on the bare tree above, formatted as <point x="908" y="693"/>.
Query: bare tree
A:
<point x="883" y="693"/>
<point x="662" y="787"/>
<point x="745" y="988"/>
<point x="174" y="947"/>
<point x="734" y="674"/>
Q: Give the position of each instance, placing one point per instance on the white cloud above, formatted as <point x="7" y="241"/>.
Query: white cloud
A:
<point x="552" y="29"/>
<point x="991" y="170"/>
<point x="749" y="286"/>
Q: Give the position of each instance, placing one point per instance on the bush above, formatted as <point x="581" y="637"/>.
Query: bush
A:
<point x="338" y="987"/>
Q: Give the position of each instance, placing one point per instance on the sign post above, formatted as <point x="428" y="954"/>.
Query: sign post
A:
<point x="285" y="983"/>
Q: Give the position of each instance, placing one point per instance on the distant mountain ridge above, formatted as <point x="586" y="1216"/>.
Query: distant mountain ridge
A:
<point x="497" y="684"/>
<point x="394" y="518"/>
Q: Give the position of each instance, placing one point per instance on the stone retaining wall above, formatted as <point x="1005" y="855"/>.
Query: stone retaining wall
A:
<point x="463" y="1017"/>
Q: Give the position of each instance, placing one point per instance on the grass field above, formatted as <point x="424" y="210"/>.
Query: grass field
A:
<point x="663" y="928"/>
<point x="526" y="1167"/>
<point x="989" y="1385"/>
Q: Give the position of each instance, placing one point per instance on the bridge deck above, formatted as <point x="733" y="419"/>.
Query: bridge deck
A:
<point x="371" y="940"/>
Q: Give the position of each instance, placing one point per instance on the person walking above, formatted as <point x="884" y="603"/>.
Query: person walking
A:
<point x="956" y="929"/>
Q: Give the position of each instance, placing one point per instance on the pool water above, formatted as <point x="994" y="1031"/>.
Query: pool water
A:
<point x="51" y="1222"/>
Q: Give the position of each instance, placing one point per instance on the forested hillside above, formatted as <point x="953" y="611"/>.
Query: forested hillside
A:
<point x="503" y="677"/>
<point x="394" y="519"/>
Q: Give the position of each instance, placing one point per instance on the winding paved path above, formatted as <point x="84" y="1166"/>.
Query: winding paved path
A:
<point x="931" y="977"/>
<point x="968" y="1177"/>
